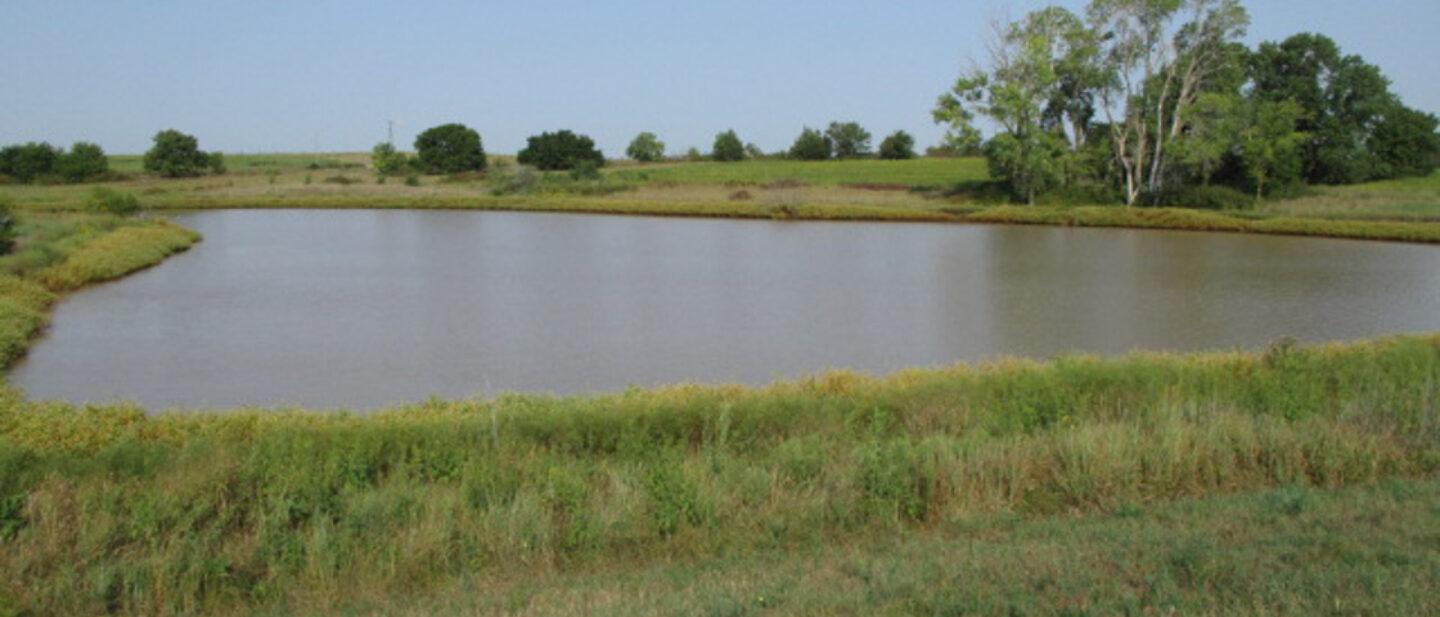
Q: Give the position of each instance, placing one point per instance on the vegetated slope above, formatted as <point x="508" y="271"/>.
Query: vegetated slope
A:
<point x="108" y="509"/>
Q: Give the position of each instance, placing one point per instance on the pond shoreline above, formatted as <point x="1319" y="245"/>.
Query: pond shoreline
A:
<point x="1177" y="219"/>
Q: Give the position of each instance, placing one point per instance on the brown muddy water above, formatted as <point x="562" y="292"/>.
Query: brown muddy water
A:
<point x="361" y="309"/>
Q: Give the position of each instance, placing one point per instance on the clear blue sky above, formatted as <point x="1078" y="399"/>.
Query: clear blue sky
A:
<point x="294" y="76"/>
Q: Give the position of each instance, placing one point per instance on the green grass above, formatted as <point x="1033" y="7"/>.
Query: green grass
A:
<point x="58" y="253"/>
<point x="922" y="172"/>
<point x="913" y="484"/>
<point x="1406" y="199"/>
<point x="1286" y="551"/>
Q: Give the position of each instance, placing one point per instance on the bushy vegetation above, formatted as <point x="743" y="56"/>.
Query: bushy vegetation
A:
<point x="113" y="510"/>
<point x="811" y="145"/>
<point x="448" y="149"/>
<point x="897" y="146"/>
<point x="178" y="155"/>
<point x="109" y="201"/>
<point x="41" y="162"/>
<point x="561" y="150"/>
<point x="848" y="139"/>
<point x="646" y="148"/>
<point x="386" y="160"/>
<point x="727" y="148"/>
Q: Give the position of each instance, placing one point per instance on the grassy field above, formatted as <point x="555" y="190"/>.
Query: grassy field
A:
<point x="1413" y="199"/>
<point x="1293" y="481"/>
<point x="1127" y="484"/>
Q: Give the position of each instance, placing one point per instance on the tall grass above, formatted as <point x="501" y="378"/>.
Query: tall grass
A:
<point x="116" y="254"/>
<point x="114" y="510"/>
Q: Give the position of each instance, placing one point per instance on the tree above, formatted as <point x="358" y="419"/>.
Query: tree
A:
<point x="27" y="162"/>
<point x="559" y="150"/>
<point x="848" y="139"/>
<point x="898" y="145"/>
<point x="646" y="148"/>
<point x="728" y="148"/>
<point x="84" y="161"/>
<point x="1028" y="153"/>
<point x="1406" y="143"/>
<point x="1358" y="130"/>
<point x="1269" y="144"/>
<point x="1157" y="71"/>
<point x="387" y="160"/>
<point x="176" y="155"/>
<point x="811" y="145"/>
<point x="448" y="149"/>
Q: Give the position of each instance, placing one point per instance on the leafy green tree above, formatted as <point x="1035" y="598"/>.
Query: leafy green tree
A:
<point x="387" y="160"/>
<point x="84" y="161"/>
<point x="646" y="148"/>
<point x="1269" y="143"/>
<point x="1027" y="153"/>
<point x="176" y="155"/>
<point x="27" y="162"/>
<point x="728" y="148"/>
<point x="848" y="139"/>
<point x="897" y="146"/>
<point x="1406" y="143"/>
<point x="1212" y="125"/>
<point x="560" y="150"/>
<point x="448" y="149"/>
<point x="1156" y="69"/>
<point x="811" y="145"/>
<point x="1352" y="119"/>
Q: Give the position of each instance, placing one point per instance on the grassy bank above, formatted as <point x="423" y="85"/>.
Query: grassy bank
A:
<point x="868" y="190"/>
<point x="59" y="253"/>
<point x="487" y="506"/>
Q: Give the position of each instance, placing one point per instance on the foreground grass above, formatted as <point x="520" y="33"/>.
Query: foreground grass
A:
<point x="1287" y="551"/>
<point x="904" y="489"/>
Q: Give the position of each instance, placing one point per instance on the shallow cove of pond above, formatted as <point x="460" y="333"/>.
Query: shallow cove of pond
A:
<point x="362" y="309"/>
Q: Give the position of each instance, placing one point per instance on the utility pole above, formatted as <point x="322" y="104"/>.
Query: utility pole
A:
<point x="390" y="132"/>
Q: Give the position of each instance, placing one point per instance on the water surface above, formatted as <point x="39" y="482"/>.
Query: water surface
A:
<point x="362" y="309"/>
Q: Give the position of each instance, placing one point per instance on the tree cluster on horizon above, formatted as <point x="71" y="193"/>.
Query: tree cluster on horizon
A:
<point x="1152" y="98"/>
<point x="42" y="162"/>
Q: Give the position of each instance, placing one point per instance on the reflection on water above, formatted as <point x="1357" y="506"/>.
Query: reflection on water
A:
<point x="367" y="308"/>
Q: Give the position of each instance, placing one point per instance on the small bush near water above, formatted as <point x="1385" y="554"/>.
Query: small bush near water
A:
<point x="108" y="201"/>
<point x="114" y="510"/>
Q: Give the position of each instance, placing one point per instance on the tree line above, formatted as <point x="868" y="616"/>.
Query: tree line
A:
<point x="174" y="154"/>
<point x="1156" y="100"/>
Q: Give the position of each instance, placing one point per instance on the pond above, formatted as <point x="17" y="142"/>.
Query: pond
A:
<point x="361" y="309"/>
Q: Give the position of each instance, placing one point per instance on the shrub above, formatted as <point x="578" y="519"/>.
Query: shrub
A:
<point x="559" y="150"/>
<point x="84" y="161"/>
<point x="898" y="146"/>
<point x="1204" y="197"/>
<point x="217" y="163"/>
<point x="7" y="227"/>
<point x="175" y="155"/>
<point x="646" y="148"/>
<point x="693" y="155"/>
<point x="848" y="139"/>
<point x="811" y="145"/>
<point x="26" y="163"/>
<point x="449" y="148"/>
<point x="386" y="160"/>
<point x="728" y="148"/>
<point x="108" y="201"/>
